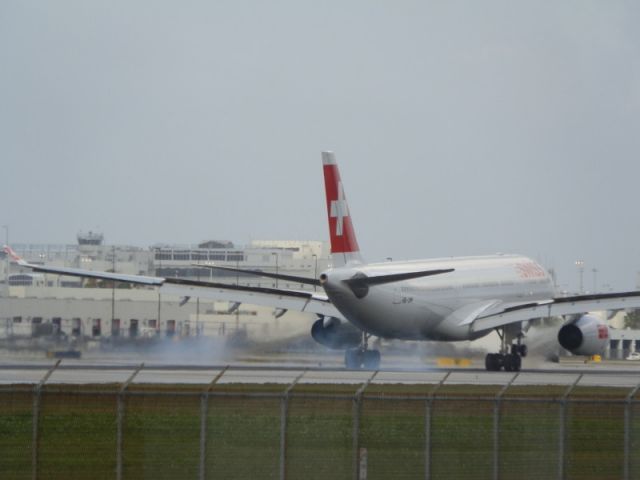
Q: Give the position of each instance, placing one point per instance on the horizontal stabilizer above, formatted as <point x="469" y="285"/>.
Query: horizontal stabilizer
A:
<point x="259" y="273"/>
<point x="360" y="283"/>
<point x="394" y="277"/>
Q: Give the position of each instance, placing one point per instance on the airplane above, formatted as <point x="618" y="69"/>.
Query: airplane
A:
<point x="442" y="299"/>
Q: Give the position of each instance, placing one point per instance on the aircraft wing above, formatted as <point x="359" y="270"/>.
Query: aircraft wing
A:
<point x="573" y="305"/>
<point x="302" y="301"/>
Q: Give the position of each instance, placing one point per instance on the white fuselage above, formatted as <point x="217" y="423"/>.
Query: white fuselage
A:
<point x="438" y="307"/>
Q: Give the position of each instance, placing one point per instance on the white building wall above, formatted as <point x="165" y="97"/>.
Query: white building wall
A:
<point x="51" y="297"/>
<point x="93" y="305"/>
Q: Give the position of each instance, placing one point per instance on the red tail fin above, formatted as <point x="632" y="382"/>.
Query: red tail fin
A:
<point x="344" y="246"/>
<point x="13" y="255"/>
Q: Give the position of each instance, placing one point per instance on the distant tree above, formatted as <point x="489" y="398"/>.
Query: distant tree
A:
<point x="632" y="320"/>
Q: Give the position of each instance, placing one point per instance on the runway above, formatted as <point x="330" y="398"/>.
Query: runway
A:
<point x="100" y="372"/>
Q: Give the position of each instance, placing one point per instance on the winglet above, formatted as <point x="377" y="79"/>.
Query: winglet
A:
<point x="13" y="255"/>
<point x="344" y="246"/>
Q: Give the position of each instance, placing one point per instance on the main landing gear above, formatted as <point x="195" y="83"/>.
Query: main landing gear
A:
<point x="511" y="361"/>
<point x="362" y="357"/>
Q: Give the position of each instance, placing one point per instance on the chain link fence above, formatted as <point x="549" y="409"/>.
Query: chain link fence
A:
<point x="370" y="431"/>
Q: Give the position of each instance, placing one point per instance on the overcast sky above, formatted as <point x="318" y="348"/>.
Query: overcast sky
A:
<point x="460" y="128"/>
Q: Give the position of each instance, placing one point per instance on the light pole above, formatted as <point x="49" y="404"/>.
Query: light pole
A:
<point x="198" y="309"/>
<point x="580" y="265"/>
<point x="159" y="250"/>
<point x="315" y="271"/>
<point x="595" y="280"/>
<point x="113" y="287"/>
<point x="6" y="272"/>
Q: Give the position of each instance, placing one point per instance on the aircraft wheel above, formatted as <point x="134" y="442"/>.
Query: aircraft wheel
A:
<point x="371" y="359"/>
<point x="519" y="350"/>
<point x="493" y="362"/>
<point x="517" y="362"/>
<point x="353" y="359"/>
<point x="507" y="362"/>
<point x="512" y="362"/>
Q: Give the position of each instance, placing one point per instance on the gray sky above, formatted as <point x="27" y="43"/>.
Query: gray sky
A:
<point x="460" y="127"/>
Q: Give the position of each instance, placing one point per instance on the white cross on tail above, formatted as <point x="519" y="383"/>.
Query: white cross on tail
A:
<point x="339" y="209"/>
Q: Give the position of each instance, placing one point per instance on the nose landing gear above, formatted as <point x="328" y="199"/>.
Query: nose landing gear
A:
<point x="362" y="357"/>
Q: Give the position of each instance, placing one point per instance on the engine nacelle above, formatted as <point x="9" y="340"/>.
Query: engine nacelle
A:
<point x="334" y="333"/>
<point x="586" y="336"/>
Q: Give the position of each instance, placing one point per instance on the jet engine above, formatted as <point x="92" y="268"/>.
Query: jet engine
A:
<point x="585" y="336"/>
<point x="335" y="333"/>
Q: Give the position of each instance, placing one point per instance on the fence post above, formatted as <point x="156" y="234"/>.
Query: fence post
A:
<point x="204" y="402"/>
<point x="562" y="429"/>
<point x="119" y="420"/>
<point x="284" y="409"/>
<point x="204" y="411"/>
<point x="427" y="438"/>
<point x="627" y="431"/>
<point x="357" y="400"/>
<point x="427" y="426"/>
<point x="496" y="427"/>
<point x="36" y="416"/>
<point x="354" y="437"/>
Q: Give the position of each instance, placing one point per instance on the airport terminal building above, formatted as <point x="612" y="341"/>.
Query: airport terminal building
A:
<point x="36" y="305"/>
